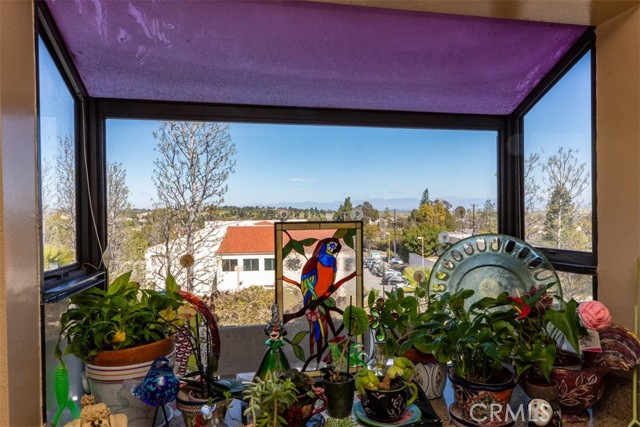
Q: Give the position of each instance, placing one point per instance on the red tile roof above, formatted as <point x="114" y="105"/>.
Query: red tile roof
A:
<point x="257" y="239"/>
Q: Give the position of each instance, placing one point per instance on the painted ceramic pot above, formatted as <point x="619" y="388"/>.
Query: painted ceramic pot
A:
<point x="579" y="387"/>
<point x="388" y="405"/>
<point x="483" y="404"/>
<point x="305" y="407"/>
<point x="190" y="406"/>
<point x="109" y="373"/>
<point x="430" y="375"/>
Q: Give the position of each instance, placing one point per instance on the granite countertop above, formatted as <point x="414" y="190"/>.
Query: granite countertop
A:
<point x="613" y="410"/>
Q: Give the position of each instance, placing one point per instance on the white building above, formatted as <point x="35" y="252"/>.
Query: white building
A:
<point x="247" y="257"/>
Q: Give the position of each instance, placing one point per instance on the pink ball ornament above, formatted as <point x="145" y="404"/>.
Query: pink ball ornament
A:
<point x="594" y="315"/>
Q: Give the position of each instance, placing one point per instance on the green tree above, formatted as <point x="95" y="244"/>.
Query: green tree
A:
<point x="566" y="182"/>
<point x="369" y="212"/>
<point x="487" y="218"/>
<point x="344" y="211"/>
<point x="425" y="197"/>
<point x="428" y="231"/>
<point x="371" y="236"/>
<point x="435" y="213"/>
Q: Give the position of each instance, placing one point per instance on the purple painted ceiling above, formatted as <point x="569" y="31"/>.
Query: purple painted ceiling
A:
<point x="307" y="54"/>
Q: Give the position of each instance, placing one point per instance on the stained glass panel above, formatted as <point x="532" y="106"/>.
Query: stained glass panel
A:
<point x="318" y="274"/>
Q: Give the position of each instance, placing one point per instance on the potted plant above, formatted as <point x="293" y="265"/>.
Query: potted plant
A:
<point x="404" y="316"/>
<point x="286" y="399"/>
<point x="385" y="399"/>
<point x="344" y="353"/>
<point x="478" y="340"/>
<point x="118" y="332"/>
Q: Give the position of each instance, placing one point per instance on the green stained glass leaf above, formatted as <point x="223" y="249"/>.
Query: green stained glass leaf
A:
<point x="297" y="246"/>
<point x="287" y="249"/>
<point x="298" y="352"/>
<point x="308" y="242"/>
<point x="299" y="337"/>
<point x="348" y="240"/>
<point x="329" y="302"/>
<point x="339" y="234"/>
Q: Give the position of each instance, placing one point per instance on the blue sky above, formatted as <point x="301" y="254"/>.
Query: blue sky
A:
<point x="291" y="164"/>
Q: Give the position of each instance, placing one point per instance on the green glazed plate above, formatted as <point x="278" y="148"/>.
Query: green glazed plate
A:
<point x="491" y="264"/>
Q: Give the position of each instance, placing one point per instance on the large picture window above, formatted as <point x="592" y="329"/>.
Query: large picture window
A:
<point x="215" y="189"/>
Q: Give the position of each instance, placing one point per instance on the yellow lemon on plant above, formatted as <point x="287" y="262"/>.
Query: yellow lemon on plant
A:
<point x="119" y="336"/>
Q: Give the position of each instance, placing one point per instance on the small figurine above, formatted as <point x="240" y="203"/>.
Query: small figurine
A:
<point x="544" y="413"/>
<point x="159" y="387"/>
<point x="274" y="359"/>
<point x="97" y="415"/>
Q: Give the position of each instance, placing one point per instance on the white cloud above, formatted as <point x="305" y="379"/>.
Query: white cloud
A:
<point x="304" y="180"/>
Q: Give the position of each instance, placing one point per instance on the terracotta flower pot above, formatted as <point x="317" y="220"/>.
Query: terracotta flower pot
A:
<point x="133" y="355"/>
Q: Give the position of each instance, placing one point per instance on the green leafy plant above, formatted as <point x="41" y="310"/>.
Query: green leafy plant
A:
<point x="481" y="338"/>
<point x="400" y="314"/>
<point x="268" y="400"/>
<point x="121" y="317"/>
<point x="402" y="369"/>
<point x="356" y="322"/>
<point x="540" y="328"/>
<point x="478" y="340"/>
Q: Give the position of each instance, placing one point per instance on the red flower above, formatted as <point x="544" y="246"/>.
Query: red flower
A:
<point x="338" y="339"/>
<point x="520" y="307"/>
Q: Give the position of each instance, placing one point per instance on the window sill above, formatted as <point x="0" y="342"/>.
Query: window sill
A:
<point x="67" y="287"/>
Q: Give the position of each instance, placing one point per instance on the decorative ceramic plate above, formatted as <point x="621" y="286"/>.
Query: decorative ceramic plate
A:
<point x="491" y="264"/>
<point x="411" y="415"/>
<point x="455" y="415"/>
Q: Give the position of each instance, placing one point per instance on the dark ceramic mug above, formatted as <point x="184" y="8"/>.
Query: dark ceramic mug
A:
<point x="305" y="407"/>
<point x="388" y="405"/>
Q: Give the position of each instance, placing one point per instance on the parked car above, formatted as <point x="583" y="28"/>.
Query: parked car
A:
<point x="392" y="277"/>
<point x="397" y="264"/>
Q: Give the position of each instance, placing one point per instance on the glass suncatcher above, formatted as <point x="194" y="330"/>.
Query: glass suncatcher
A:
<point x="318" y="270"/>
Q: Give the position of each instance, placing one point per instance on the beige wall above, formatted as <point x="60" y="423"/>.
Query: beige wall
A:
<point x="618" y="161"/>
<point x="19" y="260"/>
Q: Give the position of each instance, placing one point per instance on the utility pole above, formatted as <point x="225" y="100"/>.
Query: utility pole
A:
<point x="395" y="251"/>
<point x="473" y="219"/>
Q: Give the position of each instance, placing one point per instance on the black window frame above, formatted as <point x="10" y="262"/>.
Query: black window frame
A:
<point x="93" y="112"/>
<point x="229" y="261"/>
<point x="272" y="261"/>
<point x="252" y="262"/>
<point x="86" y="271"/>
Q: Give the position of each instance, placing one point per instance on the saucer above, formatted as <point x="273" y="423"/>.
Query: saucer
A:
<point x="411" y="415"/>
<point x="455" y="415"/>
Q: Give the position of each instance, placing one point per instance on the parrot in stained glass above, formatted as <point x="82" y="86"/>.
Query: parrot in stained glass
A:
<point x="318" y="274"/>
